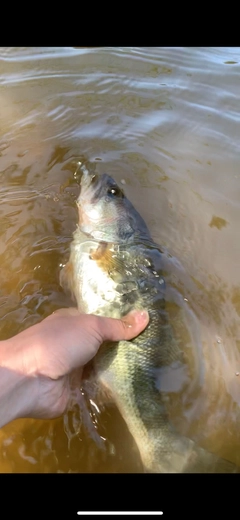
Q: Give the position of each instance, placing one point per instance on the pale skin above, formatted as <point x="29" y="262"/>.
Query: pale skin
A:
<point x="36" y="365"/>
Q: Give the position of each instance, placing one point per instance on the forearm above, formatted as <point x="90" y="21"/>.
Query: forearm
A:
<point x="17" y="390"/>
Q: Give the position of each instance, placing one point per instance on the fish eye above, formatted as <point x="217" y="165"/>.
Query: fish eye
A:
<point x="115" y="191"/>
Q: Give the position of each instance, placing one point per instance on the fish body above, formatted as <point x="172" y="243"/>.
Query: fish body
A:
<point x="115" y="266"/>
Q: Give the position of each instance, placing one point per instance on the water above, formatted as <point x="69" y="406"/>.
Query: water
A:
<point x="165" y="122"/>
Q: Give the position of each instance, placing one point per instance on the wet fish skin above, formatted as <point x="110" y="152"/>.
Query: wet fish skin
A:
<point x="114" y="266"/>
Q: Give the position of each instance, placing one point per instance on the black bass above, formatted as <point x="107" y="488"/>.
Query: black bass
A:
<point x="115" y="266"/>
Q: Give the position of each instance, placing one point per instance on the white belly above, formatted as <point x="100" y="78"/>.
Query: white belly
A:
<point x="96" y="288"/>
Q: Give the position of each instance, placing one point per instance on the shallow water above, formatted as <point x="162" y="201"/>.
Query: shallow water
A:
<point x="167" y="122"/>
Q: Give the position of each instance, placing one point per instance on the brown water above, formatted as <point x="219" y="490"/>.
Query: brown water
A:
<point x="167" y="122"/>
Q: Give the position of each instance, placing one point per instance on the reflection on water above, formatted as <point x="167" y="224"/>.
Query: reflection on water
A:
<point x="166" y="122"/>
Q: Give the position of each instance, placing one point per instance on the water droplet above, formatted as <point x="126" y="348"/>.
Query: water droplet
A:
<point x="237" y="373"/>
<point x="219" y="340"/>
<point x="123" y="181"/>
<point x="94" y="404"/>
<point x="185" y="299"/>
<point x="146" y="262"/>
<point x="161" y="281"/>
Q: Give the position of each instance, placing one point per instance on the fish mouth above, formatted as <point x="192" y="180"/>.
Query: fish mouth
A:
<point x="89" y="184"/>
<point x="87" y="178"/>
<point x="87" y="213"/>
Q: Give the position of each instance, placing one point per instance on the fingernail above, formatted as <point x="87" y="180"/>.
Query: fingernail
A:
<point x="142" y="316"/>
<point x="137" y="317"/>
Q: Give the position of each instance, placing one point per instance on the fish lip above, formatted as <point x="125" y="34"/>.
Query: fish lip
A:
<point x="87" y="189"/>
<point x="87" y="178"/>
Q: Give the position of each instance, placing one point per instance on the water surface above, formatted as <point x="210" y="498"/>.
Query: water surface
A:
<point x="166" y="120"/>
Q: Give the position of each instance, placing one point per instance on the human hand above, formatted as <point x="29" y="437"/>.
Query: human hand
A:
<point x="47" y="353"/>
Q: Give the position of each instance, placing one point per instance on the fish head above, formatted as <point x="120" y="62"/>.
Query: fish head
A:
<point x="105" y="213"/>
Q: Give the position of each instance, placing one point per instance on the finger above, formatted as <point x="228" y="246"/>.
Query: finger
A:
<point x="126" y="328"/>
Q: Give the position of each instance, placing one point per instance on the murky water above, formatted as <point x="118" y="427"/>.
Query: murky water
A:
<point x="167" y="122"/>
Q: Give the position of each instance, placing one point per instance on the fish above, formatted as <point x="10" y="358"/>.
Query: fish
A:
<point x="115" y="266"/>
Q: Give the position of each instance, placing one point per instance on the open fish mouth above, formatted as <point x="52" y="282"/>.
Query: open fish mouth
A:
<point x="86" y="211"/>
<point x="91" y="188"/>
<point x="87" y="178"/>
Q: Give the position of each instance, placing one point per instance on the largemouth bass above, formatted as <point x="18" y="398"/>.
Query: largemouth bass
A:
<point x="115" y="266"/>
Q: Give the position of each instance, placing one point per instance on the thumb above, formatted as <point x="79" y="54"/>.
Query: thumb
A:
<point x="127" y="328"/>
